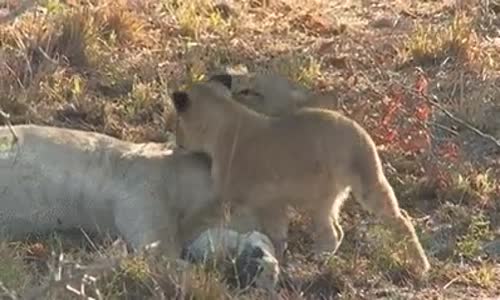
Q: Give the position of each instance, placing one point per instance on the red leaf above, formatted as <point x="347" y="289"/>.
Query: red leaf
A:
<point x="38" y="251"/>
<point x="392" y="106"/>
<point x="421" y="86"/>
<point x="384" y="135"/>
<point x="417" y="142"/>
<point x="390" y="135"/>
<point x="422" y="112"/>
<point x="449" y="151"/>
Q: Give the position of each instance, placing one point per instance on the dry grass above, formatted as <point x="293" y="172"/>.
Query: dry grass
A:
<point x="109" y="66"/>
<point x="433" y="43"/>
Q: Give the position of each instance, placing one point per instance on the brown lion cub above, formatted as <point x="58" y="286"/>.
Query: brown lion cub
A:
<point x="310" y="158"/>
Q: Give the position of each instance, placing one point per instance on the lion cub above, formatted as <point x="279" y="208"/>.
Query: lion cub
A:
<point x="310" y="158"/>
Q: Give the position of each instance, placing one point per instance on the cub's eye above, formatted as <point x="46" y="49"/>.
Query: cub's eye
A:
<point x="248" y="92"/>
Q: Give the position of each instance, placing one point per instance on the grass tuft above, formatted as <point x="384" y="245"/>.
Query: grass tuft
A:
<point x="14" y="274"/>
<point x="478" y="231"/>
<point x="198" y="17"/>
<point x="118" y="24"/>
<point x="433" y="44"/>
<point x="476" y="188"/>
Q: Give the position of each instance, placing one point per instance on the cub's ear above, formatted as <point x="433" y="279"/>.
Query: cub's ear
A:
<point x="225" y="79"/>
<point x="181" y="101"/>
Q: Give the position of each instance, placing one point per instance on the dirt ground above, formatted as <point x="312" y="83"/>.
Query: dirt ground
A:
<point x="422" y="76"/>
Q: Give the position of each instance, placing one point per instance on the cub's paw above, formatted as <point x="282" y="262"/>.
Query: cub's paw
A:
<point x="321" y="248"/>
<point x="280" y="247"/>
<point x="320" y="256"/>
<point x="420" y="271"/>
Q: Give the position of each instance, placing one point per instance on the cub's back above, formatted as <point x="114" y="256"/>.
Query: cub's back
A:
<point x="297" y="149"/>
<point x="307" y="132"/>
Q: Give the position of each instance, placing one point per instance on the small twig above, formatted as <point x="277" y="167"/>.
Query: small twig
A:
<point x="461" y="121"/>
<point x="47" y="57"/>
<point x="433" y="100"/>
<point x="451" y="282"/>
<point x="6" y="118"/>
<point x="89" y="240"/>
<point x="8" y="292"/>
<point x="97" y="269"/>
<point x="443" y="127"/>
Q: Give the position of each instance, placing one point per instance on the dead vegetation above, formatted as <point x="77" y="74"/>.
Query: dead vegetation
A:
<point x="422" y="77"/>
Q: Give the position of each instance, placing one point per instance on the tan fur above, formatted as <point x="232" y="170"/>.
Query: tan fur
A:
<point x="308" y="158"/>
<point x="275" y="95"/>
<point x="269" y="93"/>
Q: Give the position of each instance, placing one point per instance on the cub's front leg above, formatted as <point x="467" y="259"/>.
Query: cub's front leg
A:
<point x="273" y="222"/>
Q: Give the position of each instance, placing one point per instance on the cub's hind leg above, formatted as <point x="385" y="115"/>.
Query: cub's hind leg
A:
<point x="325" y="220"/>
<point x="378" y="197"/>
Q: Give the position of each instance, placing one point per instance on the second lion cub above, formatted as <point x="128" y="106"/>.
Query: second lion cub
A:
<point x="310" y="159"/>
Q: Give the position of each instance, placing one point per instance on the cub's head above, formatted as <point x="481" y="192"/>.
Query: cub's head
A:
<point x="267" y="93"/>
<point x="201" y="110"/>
